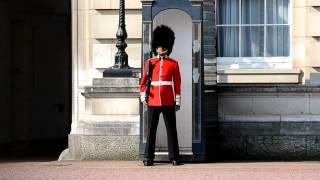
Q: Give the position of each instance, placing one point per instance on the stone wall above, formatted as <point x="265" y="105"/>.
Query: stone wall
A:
<point x="110" y="124"/>
<point x="304" y="42"/>
<point x="253" y="122"/>
<point x="105" y="114"/>
<point x="94" y="26"/>
<point x="268" y="122"/>
<point x="275" y="121"/>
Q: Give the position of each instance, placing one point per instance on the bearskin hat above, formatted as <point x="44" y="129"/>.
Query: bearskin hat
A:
<point x="162" y="36"/>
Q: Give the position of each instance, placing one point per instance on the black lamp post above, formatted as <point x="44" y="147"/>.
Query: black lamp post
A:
<point x="121" y="67"/>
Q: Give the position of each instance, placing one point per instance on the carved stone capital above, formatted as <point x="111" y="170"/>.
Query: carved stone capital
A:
<point x="147" y="2"/>
<point x="196" y="2"/>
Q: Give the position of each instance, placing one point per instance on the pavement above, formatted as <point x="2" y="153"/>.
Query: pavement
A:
<point x="134" y="170"/>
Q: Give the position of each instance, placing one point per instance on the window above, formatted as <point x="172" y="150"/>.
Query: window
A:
<point x="253" y="34"/>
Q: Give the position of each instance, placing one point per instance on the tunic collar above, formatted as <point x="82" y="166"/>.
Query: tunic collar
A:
<point x="166" y="56"/>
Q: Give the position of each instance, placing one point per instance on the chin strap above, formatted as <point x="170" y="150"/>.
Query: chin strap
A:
<point x="163" y="52"/>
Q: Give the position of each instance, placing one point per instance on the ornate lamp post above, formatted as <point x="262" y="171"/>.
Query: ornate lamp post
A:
<point x="121" y="67"/>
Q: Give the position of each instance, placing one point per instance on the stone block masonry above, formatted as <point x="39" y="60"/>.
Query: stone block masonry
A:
<point x="109" y="127"/>
<point x="267" y="123"/>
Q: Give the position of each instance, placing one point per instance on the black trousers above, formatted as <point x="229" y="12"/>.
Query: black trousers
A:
<point x="169" y="115"/>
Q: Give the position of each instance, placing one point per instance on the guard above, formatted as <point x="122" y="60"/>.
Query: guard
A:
<point x="160" y="90"/>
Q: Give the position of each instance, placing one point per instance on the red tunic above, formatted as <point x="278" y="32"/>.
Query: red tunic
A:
<point x="165" y="86"/>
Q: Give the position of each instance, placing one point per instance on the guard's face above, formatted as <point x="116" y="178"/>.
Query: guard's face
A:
<point x="161" y="51"/>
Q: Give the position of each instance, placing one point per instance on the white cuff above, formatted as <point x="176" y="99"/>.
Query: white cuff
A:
<point x="178" y="100"/>
<point x="142" y="97"/>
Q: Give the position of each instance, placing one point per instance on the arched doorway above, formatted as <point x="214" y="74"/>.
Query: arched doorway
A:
<point x="36" y="78"/>
<point x="181" y="23"/>
<point x="185" y="18"/>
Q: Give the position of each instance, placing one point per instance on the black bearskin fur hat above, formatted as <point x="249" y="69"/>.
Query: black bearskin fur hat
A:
<point x="162" y="36"/>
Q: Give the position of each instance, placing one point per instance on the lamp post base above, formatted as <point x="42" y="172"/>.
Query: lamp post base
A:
<point x="117" y="72"/>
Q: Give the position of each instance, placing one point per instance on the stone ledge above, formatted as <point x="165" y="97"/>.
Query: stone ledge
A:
<point x="270" y="118"/>
<point x="270" y="128"/>
<point x="300" y="118"/>
<point x="265" y="88"/>
<point x="112" y="88"/>
<point x="116" y="82"/>
<point x="251" y="118"/>
<point x="105" y="92"/>
<point x="109" y="118"/>
<point x="259" y="76"/>
<point x="110" y="128"/>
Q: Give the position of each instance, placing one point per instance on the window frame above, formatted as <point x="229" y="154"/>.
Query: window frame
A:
<point x="258" y="62"/>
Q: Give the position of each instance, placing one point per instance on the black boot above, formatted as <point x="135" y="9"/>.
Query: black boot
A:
<point x="148" y="162"/>
<point x="176" y="162"/>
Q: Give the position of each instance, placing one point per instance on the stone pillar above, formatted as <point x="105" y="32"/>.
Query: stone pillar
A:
<point x="105" y="113"/>
<point x="111" y="127"/>
<point x="306" y="39"/>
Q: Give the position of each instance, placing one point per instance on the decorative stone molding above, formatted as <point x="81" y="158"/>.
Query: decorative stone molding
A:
<point x="259" y="76"/>
<point x="276" y="89"/>
<point x="147" y="2"/>
<point x="313" y="3"/>
<point x="107" y="132"/>
<point x="196" y="2"/>
<point x="112" y="87"/>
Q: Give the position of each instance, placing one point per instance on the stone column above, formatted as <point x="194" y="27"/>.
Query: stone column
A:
<point x="106" y="107"/>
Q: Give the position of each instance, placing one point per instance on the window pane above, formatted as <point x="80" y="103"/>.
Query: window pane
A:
<point x="252" y="41"/>
<point x="228" y="11"/>
<point x="277" y="41"/>
<point x="228" y="41"/>
<point x="252" y="11"/>
<point x="277" y="11"/>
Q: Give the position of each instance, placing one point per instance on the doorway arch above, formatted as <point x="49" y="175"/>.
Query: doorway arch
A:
<point x="181" y="23"/>
<point x="185" y="19"/>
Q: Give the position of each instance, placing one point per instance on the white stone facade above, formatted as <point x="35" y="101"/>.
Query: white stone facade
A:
<point x="94" y="25"/>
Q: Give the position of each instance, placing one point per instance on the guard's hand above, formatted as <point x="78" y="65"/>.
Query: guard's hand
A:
<point x="177" y="108"/>
<point x="145" y="103"/>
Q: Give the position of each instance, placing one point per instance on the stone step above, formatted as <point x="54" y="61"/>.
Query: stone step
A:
<point x="116" y="82"/>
